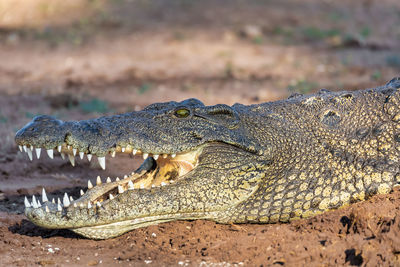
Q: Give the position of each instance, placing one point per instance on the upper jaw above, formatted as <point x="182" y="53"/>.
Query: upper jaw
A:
<point x="97" y="137"/>
<point x="100" y="137"/>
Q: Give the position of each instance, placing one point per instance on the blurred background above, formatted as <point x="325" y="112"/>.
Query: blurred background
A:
<point x="129" y="53"/>
<point x="80" y="59"/>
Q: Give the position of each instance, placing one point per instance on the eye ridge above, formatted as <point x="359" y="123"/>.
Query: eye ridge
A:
<point x="182" y="113"/>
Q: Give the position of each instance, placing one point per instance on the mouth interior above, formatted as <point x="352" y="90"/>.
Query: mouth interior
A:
<point x="153" y="173"/>
<point x="157" y="170"/>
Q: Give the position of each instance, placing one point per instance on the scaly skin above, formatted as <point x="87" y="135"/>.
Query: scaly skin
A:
<point x="266" y="163"/>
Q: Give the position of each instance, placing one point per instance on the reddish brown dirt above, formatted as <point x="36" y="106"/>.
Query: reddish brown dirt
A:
<point x="134" y="53"/>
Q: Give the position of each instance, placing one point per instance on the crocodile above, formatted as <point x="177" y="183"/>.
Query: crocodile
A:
<point x="262" y="163"/>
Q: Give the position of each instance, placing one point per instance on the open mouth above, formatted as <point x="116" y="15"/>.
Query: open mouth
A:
<point x="158" y="170"/>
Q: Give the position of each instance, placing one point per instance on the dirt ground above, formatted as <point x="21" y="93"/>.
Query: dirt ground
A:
<point x="108" y="57"/>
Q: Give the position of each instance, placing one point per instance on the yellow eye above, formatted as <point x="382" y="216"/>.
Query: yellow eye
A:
<point x="182" y="113"/>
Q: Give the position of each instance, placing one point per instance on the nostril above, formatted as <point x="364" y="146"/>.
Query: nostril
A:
<point x="197" y="136"/>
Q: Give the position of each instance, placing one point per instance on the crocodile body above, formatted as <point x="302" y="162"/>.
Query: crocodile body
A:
<point x="265" y="163"/>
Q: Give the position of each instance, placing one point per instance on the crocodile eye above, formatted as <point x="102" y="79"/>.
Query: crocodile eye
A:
<point x="182" y="113"/>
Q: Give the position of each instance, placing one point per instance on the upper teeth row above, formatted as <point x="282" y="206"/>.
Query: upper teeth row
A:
<point x="71" y="157"/>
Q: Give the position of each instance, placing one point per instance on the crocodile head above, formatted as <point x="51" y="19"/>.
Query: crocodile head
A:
<point x="195" y="158"/>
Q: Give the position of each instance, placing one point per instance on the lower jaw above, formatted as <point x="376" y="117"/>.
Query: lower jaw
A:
<point x="149" y="172"/>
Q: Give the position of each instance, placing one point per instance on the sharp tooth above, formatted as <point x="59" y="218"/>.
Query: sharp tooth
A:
<point x="153" y="185"/>
<point x="24" y="147"/>
<point x="47" y="209"/>
<point x="34" y="204"/>
<point x="66" y="202"/>
<point x="123" y="149"/>
<point x="117" y="179"/>
<point x="108" y="180"/>
<point x="98" y="180"/>
<point x="75" y="205"/>
<point x="130" y="185"/>
<point x="173" y="155"/>
<point x="44" y="196"/>
<point x="20" y="148"/>
<point x="145" y="155"/>
<point x="111" y="197"/>
<point x="59" y="149"/>
<point x="155" y="157"/>
<point x="113" y="154"/>
<point x="38" y="203"/>
<point x="102" y="162"/>
<point x="81" y="205"/>
<point x="165" y="156"/>
<point x="82" y="193"/>
<point x="27" y="205"/>
<point x="89" y="205"/>
<point x="125" y="176"/>
<point x="62" y="155"/>
<point x="59" y="207"/>
<point x="120" y="189"/>
<point x="141" y="186"/>
<point x="71" y="198"/>
<point x="89" y="184"/>
<point x="98" y="204"/>
<point x="50" y="153"/>
<point x="29" y="151"/>
<point x="81" y="154"/>
<point x="74" y="151"/>
<point x="134" y="152"/>
<point x="58" y="201"/>
<point x="163" y="183"/>
<point x="53" y="201"/>
<point x="38" y="150"/>
<point x="71" y="159"/>
<point x="69" y="147"/>
<point x="89" y="157"/>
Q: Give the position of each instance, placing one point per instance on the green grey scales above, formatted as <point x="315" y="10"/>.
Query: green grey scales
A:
<point x="265" y="163"/>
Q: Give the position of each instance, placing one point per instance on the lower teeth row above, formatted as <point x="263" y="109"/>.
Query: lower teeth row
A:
<point x="68" y="200"/>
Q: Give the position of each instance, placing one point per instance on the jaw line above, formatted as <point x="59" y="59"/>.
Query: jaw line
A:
<point x="115" y="229"/>
<point x="104" y="229"/>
